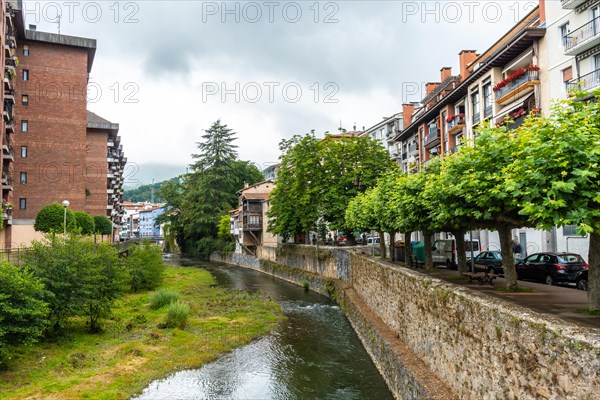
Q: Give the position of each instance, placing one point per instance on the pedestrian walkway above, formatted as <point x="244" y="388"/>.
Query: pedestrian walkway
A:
<point x="556" y="301"/>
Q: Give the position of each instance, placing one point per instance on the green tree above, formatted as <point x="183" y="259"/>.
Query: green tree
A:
<point x="103" y="225"/>
<point x="556" y="171"/>
<point x="144" y="192"/>
<point x="318" y="178"/>
<point x="225" y="228"/>
<point x="85" y="222"/>
<point x="195" y="205"/>
<point x="23" y="311"/>
<point x="80" y="277"/>
<point x="51" y="219"/>
<point x="145" y="267"/>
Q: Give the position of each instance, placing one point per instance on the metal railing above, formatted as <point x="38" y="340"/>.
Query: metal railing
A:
<point x="586" y="82"/>
<point x="515" y="83"/>
<point x="432" y="135"/>
<point x="581" y="34"/>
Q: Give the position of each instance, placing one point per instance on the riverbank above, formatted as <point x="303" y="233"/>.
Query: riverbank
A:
<point x="132" y="350"/>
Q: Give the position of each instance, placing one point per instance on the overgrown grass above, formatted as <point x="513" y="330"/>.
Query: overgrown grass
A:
<point x="177" y="315"/>
<point x="132" y="350"/>
<point x="163" y="297"/>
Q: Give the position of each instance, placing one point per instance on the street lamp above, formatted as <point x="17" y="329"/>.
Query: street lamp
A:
<point x="65" y="204"/>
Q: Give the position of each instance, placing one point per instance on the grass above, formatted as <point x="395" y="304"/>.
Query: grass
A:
<point x="587" y="311"/>
<point x="162" y="297"/>
<point x="132" y="350"/>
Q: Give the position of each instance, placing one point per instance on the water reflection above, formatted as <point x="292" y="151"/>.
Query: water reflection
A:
<point x="314" y="354"/>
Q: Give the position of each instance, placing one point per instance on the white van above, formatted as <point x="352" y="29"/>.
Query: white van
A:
<point x="444" y="251"/>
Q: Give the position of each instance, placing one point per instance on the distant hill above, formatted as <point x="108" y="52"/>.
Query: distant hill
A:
<point x="144" y="192"/>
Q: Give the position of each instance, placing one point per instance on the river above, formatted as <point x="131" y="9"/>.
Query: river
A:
<point x="313" y="354"/>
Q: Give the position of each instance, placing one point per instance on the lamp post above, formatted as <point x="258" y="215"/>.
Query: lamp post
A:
<point x="65" y="204"/>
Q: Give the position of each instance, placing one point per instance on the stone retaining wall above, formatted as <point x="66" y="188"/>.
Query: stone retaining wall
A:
<point x="481" y="347"/>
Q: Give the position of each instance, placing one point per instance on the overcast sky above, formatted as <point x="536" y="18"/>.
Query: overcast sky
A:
<point x="165" y="70"/>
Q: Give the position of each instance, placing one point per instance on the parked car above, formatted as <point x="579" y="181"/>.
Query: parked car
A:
<point x="490" y="261"/>
<point x="551" y="268"/>
<point x="581" y="280"/>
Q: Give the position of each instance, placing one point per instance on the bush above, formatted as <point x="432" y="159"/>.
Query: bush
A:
<point x="85" y="222"/>
<point x="23" y="312"/>
<point x="81" y="278"/>
<point x="163" y="297"/>
<point x="145" y="267"/>
<point x="51" y="219"/>
<point x="177" y="315"/>
<point x="103" y="225"/>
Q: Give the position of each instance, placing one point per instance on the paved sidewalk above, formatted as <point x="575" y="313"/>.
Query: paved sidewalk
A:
<point x="557" y="301"/>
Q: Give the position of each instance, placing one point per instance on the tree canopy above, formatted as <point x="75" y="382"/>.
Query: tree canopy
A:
<point x="51" y="219"/>
<point x="318" y="178"/>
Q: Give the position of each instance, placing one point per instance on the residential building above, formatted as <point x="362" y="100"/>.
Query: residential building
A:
<point x="383" y="130"/>
<point x="148" y="228"/>
<point x="248" y="223"/>
<point x="53" y="148"/>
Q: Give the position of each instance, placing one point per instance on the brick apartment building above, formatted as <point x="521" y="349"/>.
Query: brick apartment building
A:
<point x="54" y="149"/>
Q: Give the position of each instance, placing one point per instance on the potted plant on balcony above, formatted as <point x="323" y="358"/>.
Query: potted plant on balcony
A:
<point x="450" y="118"/>
<point x="533" y="71"/>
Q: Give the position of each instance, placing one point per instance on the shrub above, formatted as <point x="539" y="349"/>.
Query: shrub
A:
<point x="163" y="297"/>
<point x="51" y="219"/>
<point x="177" y="315"/>
<point x="145" y="267"/>
<point x="102" y="225"/>
<point x="85" y="222"/>
<point x="23" y="312"/>
<point x="81" y="278"/>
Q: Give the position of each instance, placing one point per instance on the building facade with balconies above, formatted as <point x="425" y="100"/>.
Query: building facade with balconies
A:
<point x="49" y="151"/>
<point x="248" y="223"/>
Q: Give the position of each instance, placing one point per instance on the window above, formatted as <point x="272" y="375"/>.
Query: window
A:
<point x="487" y="100"/>
<point x="23" y="178"/>
<point x="475" y="105"/>
<point x="24" y="125"/>
<point x="23" y="151"/>
<point x="25" y="100"/>
<point x="25" y="74"/>
<point x="22" y="203"/>
<point x="563" y="31"/>
<point x="26" y="50"/>
<point x="570" y="230"/>
<point x="567" y="74"/>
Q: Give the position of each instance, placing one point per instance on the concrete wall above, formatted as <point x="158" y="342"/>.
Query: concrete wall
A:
<point x="483" y="348"/>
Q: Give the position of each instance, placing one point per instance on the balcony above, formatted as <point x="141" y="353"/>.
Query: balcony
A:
<point x="587" y="82"/>
<point x="7" y="215"/>
<point x="7" y="180"/>
<point x="252" y="222"/>
<point x="517" y="87"/>
<point x="413" y="149"/>
<point x="454" y="149"/>
<point x="433" y="137"/>
<point x="457" y="124"/>
<point x="582" y="38"/>
<point x="571" y="4"/>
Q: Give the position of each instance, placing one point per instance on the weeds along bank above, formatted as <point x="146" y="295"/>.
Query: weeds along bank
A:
<point x="481" y="348"/>
<point x="145" y="333"/>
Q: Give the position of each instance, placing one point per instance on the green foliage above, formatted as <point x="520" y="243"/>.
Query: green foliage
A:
<point x="162" y="297"/>
<point x="318" y="178"/>
<point x="196" y="203"/>
<point x="144" y="192"/>
<point x="224" y="227"/>
<point x="177" y="315"/>
<point x="85" y="222"/>
<point x="51" y="219"/>
<point x="23" y="312"/>
<point x="80" y="277"/>
<point x="145" y="267"/>
<point x="103" y="225"/>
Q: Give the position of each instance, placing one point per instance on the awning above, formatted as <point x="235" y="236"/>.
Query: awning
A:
<point x="512" y="107"/>
<point x="591" y="52"/>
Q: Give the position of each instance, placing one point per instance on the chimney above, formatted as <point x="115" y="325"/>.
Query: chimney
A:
<point x="430" y="87"/>
<point x="407" y="112"/>
<point x="542" y="7"/>
<point x="445" y="73"/>
<point x="466" y="57"/>
<point x="246" y="185"/>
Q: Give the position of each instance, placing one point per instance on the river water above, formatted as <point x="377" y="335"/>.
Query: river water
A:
<point x="313" y="354"/>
